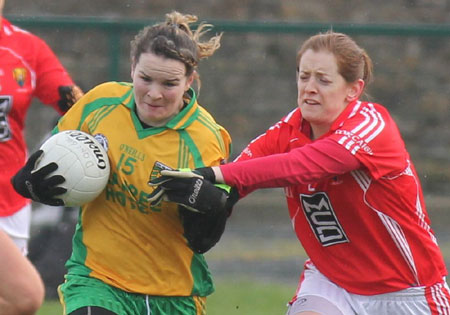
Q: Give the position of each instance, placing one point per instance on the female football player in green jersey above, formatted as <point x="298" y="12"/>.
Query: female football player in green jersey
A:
<point x="130" y="257"/>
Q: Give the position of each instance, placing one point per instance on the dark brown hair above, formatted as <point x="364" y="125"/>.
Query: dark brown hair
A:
<point x="174" y="39"/>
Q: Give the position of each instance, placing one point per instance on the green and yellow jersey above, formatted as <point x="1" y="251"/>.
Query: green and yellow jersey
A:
<point x="119" y="238"/>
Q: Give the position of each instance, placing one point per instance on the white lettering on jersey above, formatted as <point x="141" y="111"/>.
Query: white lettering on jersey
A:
<point x="322" y="219"/>
<point x="360" y="136"/>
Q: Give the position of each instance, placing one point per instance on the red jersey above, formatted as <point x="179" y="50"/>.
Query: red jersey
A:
<point x="365" y="225"/>
<point x="28" y="68"/>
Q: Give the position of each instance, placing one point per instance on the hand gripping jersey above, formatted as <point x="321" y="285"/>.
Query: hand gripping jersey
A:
<point x="28" y="68"/>
<point x="119" y="238"/>
<point x="367" y="230"/>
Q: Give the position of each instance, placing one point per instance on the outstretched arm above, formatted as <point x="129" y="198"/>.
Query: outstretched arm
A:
<point x="304" y="165"/>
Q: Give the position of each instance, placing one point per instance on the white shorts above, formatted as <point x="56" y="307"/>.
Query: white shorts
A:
<point x="17" y="226"/>
<point x="318" y="294"/>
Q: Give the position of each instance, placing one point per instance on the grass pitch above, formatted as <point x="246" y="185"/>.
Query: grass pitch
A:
<point x="233" y="296"/>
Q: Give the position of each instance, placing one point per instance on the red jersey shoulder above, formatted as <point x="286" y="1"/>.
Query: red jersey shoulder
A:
<point x="368" y="131"/>
<point x="27" y="46"/>
<point x="15" y="35"/>
<point x="361" y="124"/>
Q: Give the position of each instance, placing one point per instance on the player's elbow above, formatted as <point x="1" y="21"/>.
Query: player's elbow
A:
<point x="32" y="302"/>
<point x="34" y="299"/>
<point x="28" y="300"/>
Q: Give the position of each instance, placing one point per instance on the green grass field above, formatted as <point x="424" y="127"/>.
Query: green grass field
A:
<point x="231" y="297"/>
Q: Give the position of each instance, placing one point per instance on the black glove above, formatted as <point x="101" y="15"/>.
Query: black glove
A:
<point x="191" y="190"/>
<point x="202" y="231"/>
<point x="204" y="207"/>
<point x="69" y="95"/>
<point x="36" y="185"/>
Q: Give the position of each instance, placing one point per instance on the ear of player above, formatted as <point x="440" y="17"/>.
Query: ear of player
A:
<point x="37" y="185"/>
<point x="193" y="190"/>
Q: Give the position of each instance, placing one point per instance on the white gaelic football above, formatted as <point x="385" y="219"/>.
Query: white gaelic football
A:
<point x="81" y="160"/>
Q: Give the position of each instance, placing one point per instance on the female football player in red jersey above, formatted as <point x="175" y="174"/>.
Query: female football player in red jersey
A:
<point x="28" y="69"/>
<point x="354" y="197"/>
